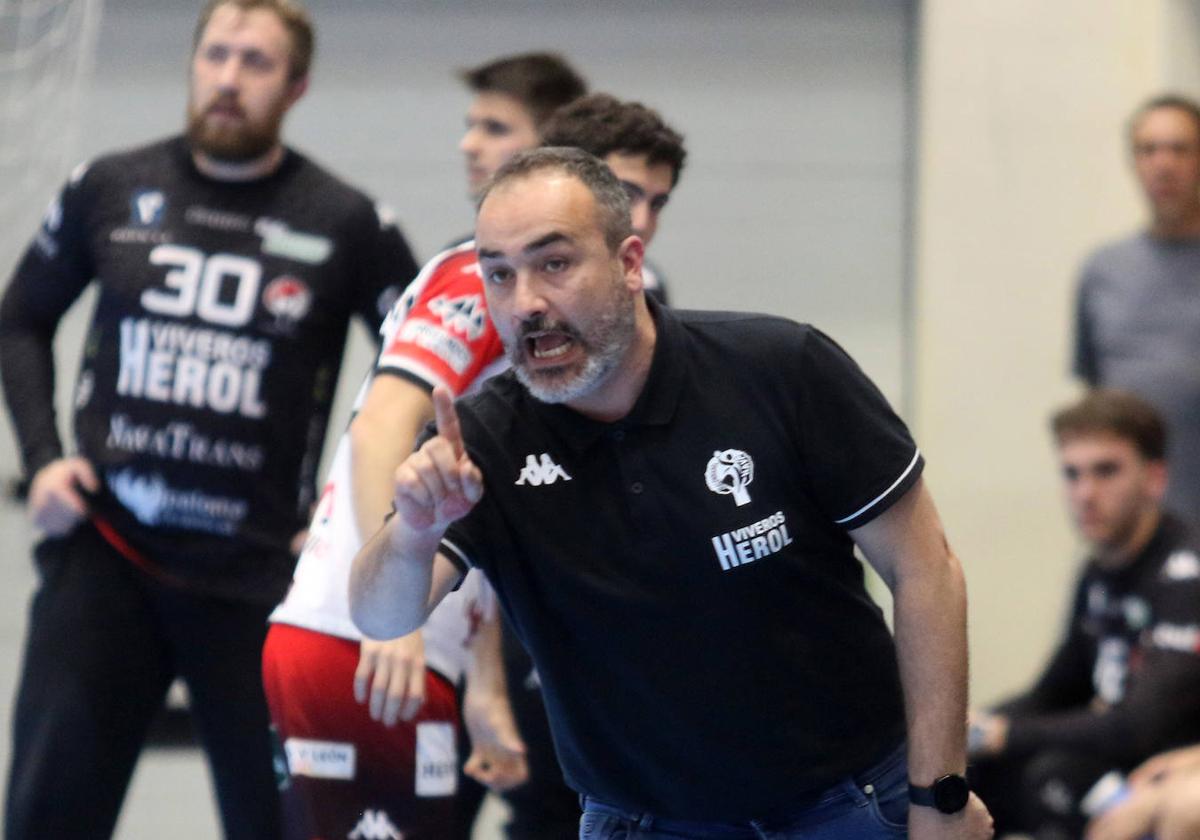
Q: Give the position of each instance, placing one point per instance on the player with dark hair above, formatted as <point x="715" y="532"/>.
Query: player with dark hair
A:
<point x="392" y="705"/>
<point x="514" y="96"/>
<point x="1124" y="682"/>
<point x="666" y="504"/>
<point x="228" y="268"/>
<point x="645" y="154"/>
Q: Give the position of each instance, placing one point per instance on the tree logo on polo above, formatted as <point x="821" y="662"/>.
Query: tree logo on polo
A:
<point x="537" y="472"/>
<point x="730" y="471"/>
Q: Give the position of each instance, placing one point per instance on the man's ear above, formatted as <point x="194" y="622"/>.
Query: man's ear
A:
<point x="631" y="253"/>
<point x="297" y="89"/>
<point x="1157" y="477"/>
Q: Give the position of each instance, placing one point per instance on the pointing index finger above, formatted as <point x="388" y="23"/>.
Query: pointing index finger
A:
<point x="447" y="419"/>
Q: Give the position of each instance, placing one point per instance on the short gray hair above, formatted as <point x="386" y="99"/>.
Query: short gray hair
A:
<point x="612" y="204"/>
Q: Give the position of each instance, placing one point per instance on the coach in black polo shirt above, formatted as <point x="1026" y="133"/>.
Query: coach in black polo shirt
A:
<point x="667" y="504"/>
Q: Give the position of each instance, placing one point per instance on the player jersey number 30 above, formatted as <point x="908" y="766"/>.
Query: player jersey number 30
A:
<point x="204" y="367"/>
<point x="195" y="283"/>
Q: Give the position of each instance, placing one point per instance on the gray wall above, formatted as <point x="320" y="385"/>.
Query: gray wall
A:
<point x="795" y="115"/>
<point x="794" y="200"/>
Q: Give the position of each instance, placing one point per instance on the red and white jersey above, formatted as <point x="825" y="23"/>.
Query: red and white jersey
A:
<point x="438" y="333"/>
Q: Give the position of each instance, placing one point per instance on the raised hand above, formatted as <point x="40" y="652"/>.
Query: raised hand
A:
<point x="438" y="483"/>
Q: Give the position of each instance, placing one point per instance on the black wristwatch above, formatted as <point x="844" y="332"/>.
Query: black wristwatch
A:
<point x="948" y="794"/>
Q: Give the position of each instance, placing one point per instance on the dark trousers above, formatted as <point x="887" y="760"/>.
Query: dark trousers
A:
<point x="104" y="642"/>
<point x="1038" y="794"/>
<point x="543" y="808"/>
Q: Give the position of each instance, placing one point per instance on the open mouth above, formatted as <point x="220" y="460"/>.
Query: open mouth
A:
<point x="547" y="345"/>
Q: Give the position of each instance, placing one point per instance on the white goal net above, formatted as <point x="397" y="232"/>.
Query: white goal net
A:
<point x="46" y="51"/>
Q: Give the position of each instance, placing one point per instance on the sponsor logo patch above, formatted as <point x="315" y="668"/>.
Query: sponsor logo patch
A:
<point x="437" y="341"/>
<point x="147" y="208"/>
<point x="281" y="241"/>
<point x="167" y="362"/>
<point x="154" y="502"/>
<point x="753" y="542"/>
<point x="437" y="759"/>
<point x="217" y="219"/>
<point x="729" y="472"/>
<point x="289" y="299"/>
<point x="137" y="236"/>
<point x="181" y="441"/>
<point x="320" y="759"/>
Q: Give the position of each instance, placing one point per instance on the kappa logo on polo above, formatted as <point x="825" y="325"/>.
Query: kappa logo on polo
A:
<point x="537" y="472"/>
<point x="729" y="472"/>
<point x="375" y="825"/>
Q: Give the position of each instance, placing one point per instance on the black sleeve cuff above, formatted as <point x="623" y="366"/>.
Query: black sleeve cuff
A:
<point x="456" y="556"/>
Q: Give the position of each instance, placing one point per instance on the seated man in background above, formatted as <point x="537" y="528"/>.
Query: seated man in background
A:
<point x="1124" y="679"/>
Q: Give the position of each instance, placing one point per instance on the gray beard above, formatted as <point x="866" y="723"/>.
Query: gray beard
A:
<point x="606" y="343"/>
<point x="567" y="387"/>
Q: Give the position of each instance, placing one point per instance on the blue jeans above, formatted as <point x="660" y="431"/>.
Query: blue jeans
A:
<point x="871" y="805"/>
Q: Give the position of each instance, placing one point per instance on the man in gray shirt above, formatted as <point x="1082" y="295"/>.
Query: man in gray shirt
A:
<point x="1138" y="308"/>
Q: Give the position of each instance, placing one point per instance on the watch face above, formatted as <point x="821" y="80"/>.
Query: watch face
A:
<point x="950" y="794"/>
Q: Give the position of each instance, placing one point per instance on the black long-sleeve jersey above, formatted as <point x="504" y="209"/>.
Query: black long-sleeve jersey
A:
<point x="1125" y="681"/>
<point x="213" y="351"/>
